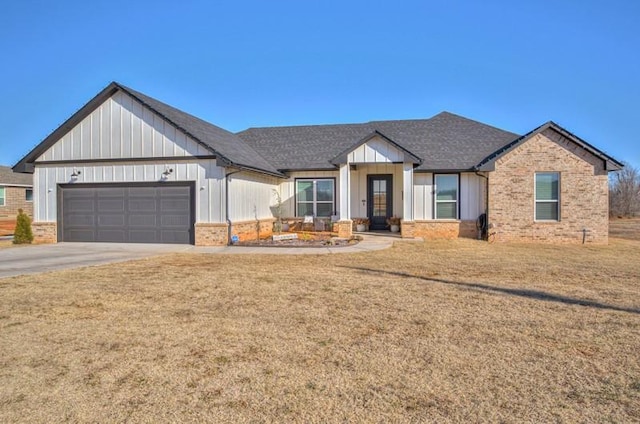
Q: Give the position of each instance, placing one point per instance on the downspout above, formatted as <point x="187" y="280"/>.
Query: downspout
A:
<point x="226" y="204"/>
<point x="486" y="202"/>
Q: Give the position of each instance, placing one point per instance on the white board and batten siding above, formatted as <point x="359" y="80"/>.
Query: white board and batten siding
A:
<point x="123" y="128"/>
<point x="208" y="178"/>
<point x="471" y="196"/>
<point x="252" y="196"/>
<point x="376" y="150"/>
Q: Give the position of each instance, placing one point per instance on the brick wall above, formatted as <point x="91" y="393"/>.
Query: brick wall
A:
<point x="44" y="232"/>
<point x="216" y="234"/>
<point x="15" y="199"/>
<point x="439" y="229"/>
<point x="584" y="201"/>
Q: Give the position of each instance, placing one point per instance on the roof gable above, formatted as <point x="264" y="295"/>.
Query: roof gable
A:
<point x="121" y="128"/>
<point x="488" y="163"/>
<point x="375" y="148"/>
<point x="229" y="149"/>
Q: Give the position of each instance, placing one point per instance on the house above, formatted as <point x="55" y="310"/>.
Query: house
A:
<point x="129" y="168"/>
<point x="16" y="192"/>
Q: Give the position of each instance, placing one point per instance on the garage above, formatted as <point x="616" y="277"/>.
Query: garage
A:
<point x="126" y="213"/>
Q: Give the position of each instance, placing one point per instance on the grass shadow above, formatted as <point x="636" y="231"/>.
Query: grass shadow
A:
<point x="529" y="294"/>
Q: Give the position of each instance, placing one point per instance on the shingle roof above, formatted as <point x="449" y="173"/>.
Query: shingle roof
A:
<point x="488" y="163"/>
<point x="8" y="177"/>
<point x="222" y="142"/>
<point x="444" y="142"/>
<point x="228" y="147"/>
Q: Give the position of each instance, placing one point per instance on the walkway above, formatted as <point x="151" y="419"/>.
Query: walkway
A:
<point x="370" y="241"/>
<point x="20" y="260"/>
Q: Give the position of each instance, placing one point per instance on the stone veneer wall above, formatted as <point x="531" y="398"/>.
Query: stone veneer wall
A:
<point x="253" y="230"/>
<point x="344" y="228"/>
<point x="584" y="192"/>
<point x="439" y="229"/>
<point x="216" y="234"/>
<point x="207" y="234"/>
<point x="44" y="232"/>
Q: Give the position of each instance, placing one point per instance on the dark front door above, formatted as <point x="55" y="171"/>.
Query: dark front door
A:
<point x="379" y="200"/>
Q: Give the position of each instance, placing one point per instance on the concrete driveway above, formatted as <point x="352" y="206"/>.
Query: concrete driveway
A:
<point x="21" y="260"/>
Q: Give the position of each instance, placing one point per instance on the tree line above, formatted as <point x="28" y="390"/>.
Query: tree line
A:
<point x="624" y="192"/>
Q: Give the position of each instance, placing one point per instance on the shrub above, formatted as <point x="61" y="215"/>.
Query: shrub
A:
<point x="22" y="233"/>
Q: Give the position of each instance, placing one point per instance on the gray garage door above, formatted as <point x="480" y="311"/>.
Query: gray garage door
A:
<point x="158" y="213"/>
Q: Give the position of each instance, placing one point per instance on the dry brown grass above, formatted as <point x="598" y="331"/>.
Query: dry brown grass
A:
<point x="628" y="228"/>
<point x="452" y="331"/>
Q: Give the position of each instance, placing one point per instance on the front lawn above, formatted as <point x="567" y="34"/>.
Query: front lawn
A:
<point x="449" y="331"/>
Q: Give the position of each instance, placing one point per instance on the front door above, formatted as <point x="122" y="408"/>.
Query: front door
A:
<point x="379" y="200"/>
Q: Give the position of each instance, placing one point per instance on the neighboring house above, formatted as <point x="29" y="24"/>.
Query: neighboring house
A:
<point x="128" y="168"/>
<point x="16" y="192"/>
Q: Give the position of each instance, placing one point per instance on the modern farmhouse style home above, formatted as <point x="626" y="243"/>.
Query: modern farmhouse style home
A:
<point x="129" y="168"/>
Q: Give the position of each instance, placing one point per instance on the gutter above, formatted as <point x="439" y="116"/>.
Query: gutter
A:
<point x="226" y="203"/>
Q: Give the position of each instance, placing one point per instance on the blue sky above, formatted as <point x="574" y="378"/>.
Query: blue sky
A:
<point x="243" y="64"/>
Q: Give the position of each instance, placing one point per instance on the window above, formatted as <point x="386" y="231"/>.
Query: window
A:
<point x="547" y="196"/>
<point x="446" y="196"/>
<point x="315" y="197"/>
<point x="1" y="196"/>
<point x="28" y="195"/>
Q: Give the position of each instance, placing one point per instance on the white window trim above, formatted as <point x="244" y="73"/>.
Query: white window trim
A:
<point x="315" y="200"/>
<point x="25" y="195"/>
<point x="536" y="201"/>
<point x="3" y="198"/>
<point x="435" y="196"/>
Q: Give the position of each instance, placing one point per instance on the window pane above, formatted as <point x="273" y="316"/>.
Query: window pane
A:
<point x="547" y="211"/>
<point x="446" y="210"/>
<point x="447" y="187"/>
<point x="1" y="196"/>
<point x="28" y="194"/>
<point x="325" y="209"/>
<point x="305" y="209"/>
<point x="324" y="190"/>
<point x="305" y="191"/>
<point x="547" y="186"/>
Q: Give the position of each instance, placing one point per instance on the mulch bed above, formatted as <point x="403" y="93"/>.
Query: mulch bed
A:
<point x="305" y="239"/>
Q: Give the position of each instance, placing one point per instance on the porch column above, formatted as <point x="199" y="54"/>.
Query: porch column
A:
<point x="345" y="202"/>
<point x="345" y="224"/>
<point x="407" y="191"/>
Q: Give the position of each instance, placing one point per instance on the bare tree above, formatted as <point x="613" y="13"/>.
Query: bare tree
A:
<point x="624" y="192"/>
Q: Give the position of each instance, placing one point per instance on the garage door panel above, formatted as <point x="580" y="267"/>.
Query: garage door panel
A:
<point x="142" y="205"/>
<point x="81" y="204"/>
<point x="142" y="236"/>
<point x="83" y="220"/>
<point x="173" y="221"/>
<point x="112" y="235"/>
<point x="144" y="191"/>
<point x="143" y="221"/>
<point x="179" y="237"/>
<point x="111" y="220"/>
<point x="80" y="235"/>
<point x="137" y="214"/>
<point x="111" y="205"/>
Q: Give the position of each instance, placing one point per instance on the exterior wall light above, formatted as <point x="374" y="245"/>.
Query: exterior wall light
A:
<point x="74" y="175"/>
<point x="165" y="174"/>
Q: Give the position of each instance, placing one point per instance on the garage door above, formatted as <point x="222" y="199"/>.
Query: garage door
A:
<point x="156" y="213"/>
